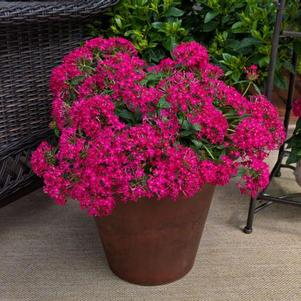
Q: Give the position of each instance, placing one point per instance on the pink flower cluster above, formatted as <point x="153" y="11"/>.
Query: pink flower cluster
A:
<point x="129" y="131"/>
<point x="251" y="72"/>
<point x="296" y="107"/>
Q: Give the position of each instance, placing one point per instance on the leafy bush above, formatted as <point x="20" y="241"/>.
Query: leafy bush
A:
<point x="237" y="33"/>
<point x="154" y="27"/>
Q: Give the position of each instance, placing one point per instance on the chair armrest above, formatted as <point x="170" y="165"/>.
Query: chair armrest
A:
<point x="12" y="12"/>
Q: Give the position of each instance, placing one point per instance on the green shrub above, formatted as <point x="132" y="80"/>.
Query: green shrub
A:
<point x="237" y="33"/>
<point x="155" y="27"/>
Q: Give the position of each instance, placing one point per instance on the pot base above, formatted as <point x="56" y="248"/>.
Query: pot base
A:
<point x="147" y="283"/>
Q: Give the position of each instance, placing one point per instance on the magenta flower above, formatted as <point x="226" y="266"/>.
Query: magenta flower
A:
<point x="129" y="131"/>
<point x="251" y="72"/>
<point x="296" y="107"/>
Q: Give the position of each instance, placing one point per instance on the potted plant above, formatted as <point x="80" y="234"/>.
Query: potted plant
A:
<point x="142" y="147"/>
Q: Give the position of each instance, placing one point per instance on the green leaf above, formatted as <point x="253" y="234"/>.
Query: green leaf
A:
<point x="241" y="171"/>
<point x="264" y="61"/>
<point x="227" y="57"/>
<point x="298" y="123"/>
<point x="118" y="22"/>
<point x="56" y="132"/>
<point x="76" y="80"/>
<point x="288" y="66"/>
<point x="237" y="25"/>
<point x="232" y="44"/>
<point x="127" y="115"/>
<point x="197" y="143"/>
<point x="186" y="133"/>
<point x="236" y="75"/>
<point x="186" y="125"/>
<point x="295" y="143"/>
<point x="153" y="55"/>
<point x="210" y="26"/>
<point x="292" y="158"/>
<point x="257" y="89"/>
<point x="297" y="46"/>
<point x="170" y="43"/>
<point x="210" y="16"/>
<point x="152" y="79"/>
<point x="163" y="104"/>
<point x="225" y="19"/>
<point x="248" y="42"/>
<point x="107" y="91"/>
<point x="280" y="81"/>
<point x="157" y="25"/>
<point x="256" y="34"/>
<point x="174" y="12"/>
<point x="196" y="127"/>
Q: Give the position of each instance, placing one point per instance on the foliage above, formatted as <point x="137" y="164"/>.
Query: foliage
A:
<point x="237" y="33"/>
<point x="153" y="26"/>
<point x="294" y="142"/>
<point x="127" y="130"/>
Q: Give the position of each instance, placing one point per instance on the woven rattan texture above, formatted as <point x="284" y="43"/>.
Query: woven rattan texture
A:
<point x="36" y="11"/>
<point x="28" y="52"/>
<point x="15" y="171"/>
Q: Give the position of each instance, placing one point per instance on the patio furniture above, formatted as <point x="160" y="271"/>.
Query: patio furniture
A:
<point x="34" y="36"/>
<point x="263" y="199"/>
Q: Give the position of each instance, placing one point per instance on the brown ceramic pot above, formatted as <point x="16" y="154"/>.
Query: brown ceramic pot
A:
<point x="153" y="242"/>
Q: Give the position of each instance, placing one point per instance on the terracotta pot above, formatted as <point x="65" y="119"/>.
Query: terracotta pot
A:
<point x="153" y="242"/>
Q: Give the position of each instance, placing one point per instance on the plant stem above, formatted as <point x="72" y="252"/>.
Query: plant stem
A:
<point x="248" y="87"/>
<point x="208" y="151"/>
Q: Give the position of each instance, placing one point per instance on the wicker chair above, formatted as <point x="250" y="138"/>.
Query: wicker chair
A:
<point x="34" y="35"/>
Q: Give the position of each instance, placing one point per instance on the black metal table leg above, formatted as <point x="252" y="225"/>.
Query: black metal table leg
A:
<point x="274" y="52"/>
<point x="249" y="227"/>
